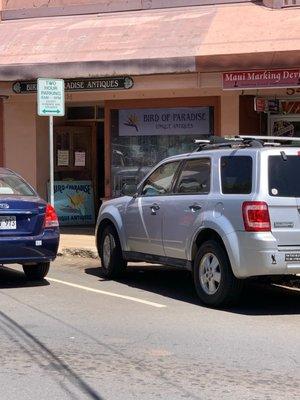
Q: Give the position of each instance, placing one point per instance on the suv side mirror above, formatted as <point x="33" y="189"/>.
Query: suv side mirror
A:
<point x="129" y="189"/>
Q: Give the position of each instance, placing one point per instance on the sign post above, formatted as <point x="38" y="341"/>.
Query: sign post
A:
<point x="51" y="102"/>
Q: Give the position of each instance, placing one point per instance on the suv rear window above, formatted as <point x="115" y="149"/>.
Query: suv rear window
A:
<point x="236" y="174"/>
<point x="284" y="176"/>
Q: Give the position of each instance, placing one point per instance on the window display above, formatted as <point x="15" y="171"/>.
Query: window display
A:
<point x="136" y="151"/>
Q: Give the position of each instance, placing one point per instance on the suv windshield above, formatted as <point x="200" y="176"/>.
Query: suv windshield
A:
<point x="14" y="186"/>
<point x="283" y="176"/>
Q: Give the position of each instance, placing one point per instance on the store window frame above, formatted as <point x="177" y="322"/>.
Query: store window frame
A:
<point x="212" y="101"/>
<point x="278" y="117"/>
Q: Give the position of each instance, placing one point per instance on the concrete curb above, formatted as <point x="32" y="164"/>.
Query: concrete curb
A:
<point x="78" y="252"/>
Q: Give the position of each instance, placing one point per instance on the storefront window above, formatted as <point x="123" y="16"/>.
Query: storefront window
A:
<point x="285" y="126"/>
<point x="143" y="137"/>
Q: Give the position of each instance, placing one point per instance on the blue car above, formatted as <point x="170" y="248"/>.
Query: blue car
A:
<point x="29" y="230"/>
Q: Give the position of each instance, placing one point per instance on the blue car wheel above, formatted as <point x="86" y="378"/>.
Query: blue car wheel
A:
<point x="36" y="272"/>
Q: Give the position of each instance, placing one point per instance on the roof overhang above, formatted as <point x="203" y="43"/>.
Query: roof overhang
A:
<point x="189" y="39"/>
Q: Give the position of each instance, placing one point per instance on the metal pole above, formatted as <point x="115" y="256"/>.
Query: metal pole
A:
<point x="51" y="154"/>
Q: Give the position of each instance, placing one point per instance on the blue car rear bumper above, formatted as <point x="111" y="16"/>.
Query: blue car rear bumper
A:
<point x="29" y="249"/>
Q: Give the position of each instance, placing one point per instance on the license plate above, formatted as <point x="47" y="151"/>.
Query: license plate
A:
<point x="290" y="257"/>
<point x="8" y="223"/>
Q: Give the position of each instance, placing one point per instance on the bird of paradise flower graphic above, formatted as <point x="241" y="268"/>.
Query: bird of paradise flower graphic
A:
<point x="132" y="121"/>
<point x="76" y="204"/>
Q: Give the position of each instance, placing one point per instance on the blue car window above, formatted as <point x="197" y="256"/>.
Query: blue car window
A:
<point x="14" y="186"/>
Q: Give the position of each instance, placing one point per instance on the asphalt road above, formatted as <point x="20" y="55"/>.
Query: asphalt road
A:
<point x="76" y="336"/>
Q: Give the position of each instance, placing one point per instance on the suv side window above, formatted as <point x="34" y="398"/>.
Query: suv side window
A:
<point x="236" y="174"/>
<point x="194" y="177"/>
<point x="160" y="181"/>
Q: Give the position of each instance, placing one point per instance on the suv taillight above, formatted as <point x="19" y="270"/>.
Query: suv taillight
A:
<point x="51" y="219"/>
<point x="256" y="216"/>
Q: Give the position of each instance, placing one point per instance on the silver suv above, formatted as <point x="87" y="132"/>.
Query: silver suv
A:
<point x="226" y="212"/>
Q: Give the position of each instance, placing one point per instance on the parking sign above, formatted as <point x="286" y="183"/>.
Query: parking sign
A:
<point x="51" y="97"/>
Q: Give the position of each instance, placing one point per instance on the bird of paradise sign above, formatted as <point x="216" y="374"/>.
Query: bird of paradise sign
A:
<point x="74" y="202"/>
<point x="165" y="121"/>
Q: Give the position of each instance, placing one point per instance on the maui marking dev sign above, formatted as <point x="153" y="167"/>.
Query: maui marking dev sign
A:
<point x="278" y="78"/>
<point x="51" y="97"/>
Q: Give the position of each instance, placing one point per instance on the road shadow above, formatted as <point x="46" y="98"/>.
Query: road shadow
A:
<point x="11" y="279"/>
<point x="256" y="299"/>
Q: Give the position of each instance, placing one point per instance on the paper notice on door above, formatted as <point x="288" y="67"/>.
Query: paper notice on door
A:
<point x="79" y="158"/>
<point x="62" y="158"/>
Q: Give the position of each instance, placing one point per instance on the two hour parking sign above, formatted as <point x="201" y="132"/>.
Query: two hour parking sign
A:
<point x="51" y="103"/>
<point x="51" y="97"/>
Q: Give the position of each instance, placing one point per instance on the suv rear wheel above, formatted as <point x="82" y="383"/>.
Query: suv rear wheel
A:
<point x="110" y="252"/>
<point x="214" y="280"/>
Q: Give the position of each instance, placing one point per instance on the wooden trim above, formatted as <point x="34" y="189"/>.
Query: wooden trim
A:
<point x="213" y="101"/>
<point x="107" y="150"/>
<point x="217" y="116"/>
<point x="1" y="133"/>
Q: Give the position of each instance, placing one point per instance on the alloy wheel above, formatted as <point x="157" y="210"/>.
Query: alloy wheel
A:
<point x="210" y="273"/>
<point x="108" y="246"/>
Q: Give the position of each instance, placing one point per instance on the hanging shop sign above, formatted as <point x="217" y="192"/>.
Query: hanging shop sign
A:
<point x="79" y="85"/>
<point x="165" y="121"/>
<point x="283" y="78"/>
<point x="74" y="202"/>
<point x="275" y="106"/>
<point x="266" y="105"/>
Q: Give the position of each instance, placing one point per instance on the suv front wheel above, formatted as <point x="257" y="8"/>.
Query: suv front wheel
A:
<point x="110" y="252"/>
<point x="214" y="280"/>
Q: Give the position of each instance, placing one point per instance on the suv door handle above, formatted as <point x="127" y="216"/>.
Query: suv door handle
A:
<point x="154" y="207"/>
<point x="195" y="207"/>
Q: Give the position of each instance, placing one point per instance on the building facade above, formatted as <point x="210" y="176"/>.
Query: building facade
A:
<point x="142" y="82"/>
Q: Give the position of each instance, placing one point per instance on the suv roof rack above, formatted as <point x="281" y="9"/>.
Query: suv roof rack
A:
<point x="217" y="142"/>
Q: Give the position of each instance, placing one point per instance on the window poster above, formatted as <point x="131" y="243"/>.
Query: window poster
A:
<point x="63" y="158"/>
<point x="79" y="158"/>
<point x="74" y="202"/>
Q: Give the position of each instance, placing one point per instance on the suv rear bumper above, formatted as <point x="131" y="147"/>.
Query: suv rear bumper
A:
<point x="256" y="254"/>
<point x="30" y="249"/>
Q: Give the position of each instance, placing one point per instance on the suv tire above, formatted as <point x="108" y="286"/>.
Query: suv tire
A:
<point x="36" y="272"/>
<point x="213" y="277"/>
<point x="110" y="252"/>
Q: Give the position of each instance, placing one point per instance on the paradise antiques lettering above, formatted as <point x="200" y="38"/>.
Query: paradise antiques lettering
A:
<point x="75" y="85"/>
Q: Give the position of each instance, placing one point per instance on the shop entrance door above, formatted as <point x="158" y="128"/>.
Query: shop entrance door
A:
<point x="73" y="146"/>
<point x="74" y="175"/>
<point x="284" y="125"/>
